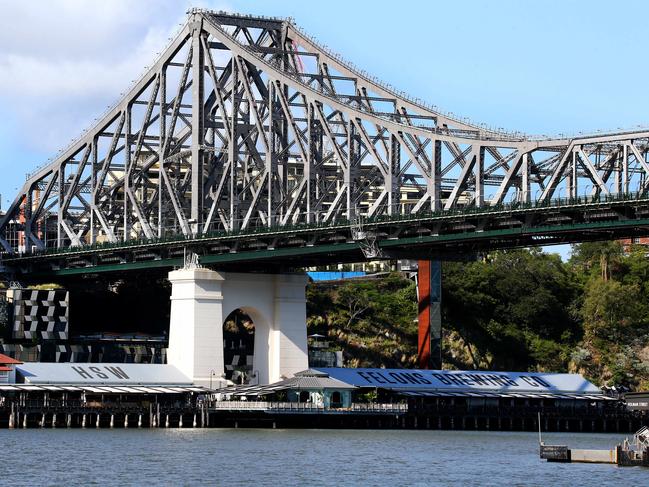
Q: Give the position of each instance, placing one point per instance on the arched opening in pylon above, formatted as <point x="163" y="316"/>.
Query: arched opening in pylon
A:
<point x="239" y="347"/>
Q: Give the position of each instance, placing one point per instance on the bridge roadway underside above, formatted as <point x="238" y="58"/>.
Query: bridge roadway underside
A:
<point x="443" y="236"/>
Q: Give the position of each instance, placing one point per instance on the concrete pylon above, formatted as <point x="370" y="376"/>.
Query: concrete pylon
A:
<point x="196" y="324"/>
<point x="201" y="300"/>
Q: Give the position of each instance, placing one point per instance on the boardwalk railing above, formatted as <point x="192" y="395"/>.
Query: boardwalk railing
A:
<point x="385" y="407"/>
<point x="304" y="407"/>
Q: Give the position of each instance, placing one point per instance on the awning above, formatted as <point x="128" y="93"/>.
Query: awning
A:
<point x="254" y="390"/>
<point x="53" y="388"/>
<point x="142" y="389"/>
<point x="511" y="395"/>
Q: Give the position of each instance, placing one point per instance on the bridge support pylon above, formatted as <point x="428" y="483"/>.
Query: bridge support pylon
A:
<point x="429" y="295"/>
<point x="201" y="299"/>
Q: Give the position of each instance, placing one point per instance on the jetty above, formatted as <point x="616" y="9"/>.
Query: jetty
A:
<point x="627" y="453"/>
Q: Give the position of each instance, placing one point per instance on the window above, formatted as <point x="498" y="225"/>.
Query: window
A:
<point x="336" y="399"/>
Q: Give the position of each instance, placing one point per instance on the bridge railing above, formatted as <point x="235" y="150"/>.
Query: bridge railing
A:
<point x="259" y="227"/>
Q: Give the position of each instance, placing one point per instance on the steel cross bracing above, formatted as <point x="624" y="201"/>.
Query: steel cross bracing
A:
<point x="246" y="125"/>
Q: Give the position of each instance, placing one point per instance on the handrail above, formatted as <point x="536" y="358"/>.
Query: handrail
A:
<point x="343" y="223"/>
<point x="302" y="406"/>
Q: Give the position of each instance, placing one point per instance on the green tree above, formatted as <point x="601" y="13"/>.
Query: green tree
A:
<point x="604" y="258"/>
<point x="636" y="268"/>
<point x="612" y="311"/>
<point x="353" y="301"/>
<point x="512" y="310"/>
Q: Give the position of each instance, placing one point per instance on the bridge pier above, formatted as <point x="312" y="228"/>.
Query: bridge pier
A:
<point x="201" y="299"/>
<point x="429" y="294"/>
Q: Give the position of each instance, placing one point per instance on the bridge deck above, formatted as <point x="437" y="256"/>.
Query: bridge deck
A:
<point x="440" y="234"/>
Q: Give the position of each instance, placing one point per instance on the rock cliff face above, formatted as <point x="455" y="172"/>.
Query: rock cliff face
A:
<point x="372" y="320"/>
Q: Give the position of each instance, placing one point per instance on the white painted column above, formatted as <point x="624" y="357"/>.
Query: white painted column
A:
<point x="196" y="324"/>
<point x="288" y="351"/>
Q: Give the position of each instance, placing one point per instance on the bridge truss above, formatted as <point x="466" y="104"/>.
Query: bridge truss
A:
<point x="247" y="126"/>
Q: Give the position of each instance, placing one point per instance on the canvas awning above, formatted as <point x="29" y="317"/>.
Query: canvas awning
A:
<point x="142" y="389"/>
<point x="512" y="395"/>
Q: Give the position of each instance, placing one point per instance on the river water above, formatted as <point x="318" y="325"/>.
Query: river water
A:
<point x="297" y="457"/>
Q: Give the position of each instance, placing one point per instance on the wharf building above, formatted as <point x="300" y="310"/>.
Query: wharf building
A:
<point x="160" y="395"/>
<point x="427" y="399"/>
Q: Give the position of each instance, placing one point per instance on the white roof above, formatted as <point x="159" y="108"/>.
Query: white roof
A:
<point x="101" y="373"/>
<point x="465" y="381"/>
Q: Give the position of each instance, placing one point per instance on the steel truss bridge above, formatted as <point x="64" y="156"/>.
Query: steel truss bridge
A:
<point x="249" y="141"/>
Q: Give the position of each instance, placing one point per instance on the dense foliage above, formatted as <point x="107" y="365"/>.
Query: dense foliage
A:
<point x="373" y="321"/>
<point x="512" y="310"/>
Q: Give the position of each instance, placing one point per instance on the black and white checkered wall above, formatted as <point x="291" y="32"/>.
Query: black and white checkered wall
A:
<point x="40" y="314"/>
<point x="73" y="353"/>
<point x="25" y="353"/>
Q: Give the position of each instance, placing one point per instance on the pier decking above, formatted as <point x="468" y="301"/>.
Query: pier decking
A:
<point x="177" y="411"/>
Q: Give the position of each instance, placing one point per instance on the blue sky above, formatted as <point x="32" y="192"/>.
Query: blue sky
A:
<point x="539" y="67"/>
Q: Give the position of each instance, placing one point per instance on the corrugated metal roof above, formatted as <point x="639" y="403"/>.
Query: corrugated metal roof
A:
<point x="101" y="373"/>
<point x="465" y="382"/>
<point x="316" y="383"/>
<point x="4" y="359"/>
<point x="305" y="380"/>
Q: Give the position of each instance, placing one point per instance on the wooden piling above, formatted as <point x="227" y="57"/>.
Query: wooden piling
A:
<point x="11" y="417"/>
